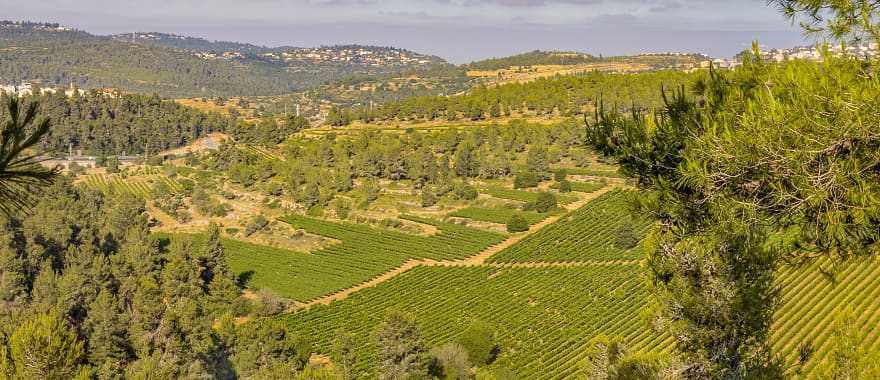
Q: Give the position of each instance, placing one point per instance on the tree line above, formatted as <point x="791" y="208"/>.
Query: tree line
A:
<point x="563" y="95"/>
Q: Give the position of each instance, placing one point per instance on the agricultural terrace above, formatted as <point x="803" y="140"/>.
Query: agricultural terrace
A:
<point x="362" y="253"/>
<point x="138" y="182"/>
<point x="499" y="215"/>
<point x="602" y="230"/>
<point x="525" y="195"/>
<point x="543" y="316"/>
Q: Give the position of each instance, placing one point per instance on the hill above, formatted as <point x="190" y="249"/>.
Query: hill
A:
<point x="178" y="66"/>
<point x="533" y="58"/>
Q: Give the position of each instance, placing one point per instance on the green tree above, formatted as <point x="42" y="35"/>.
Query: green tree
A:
<point x="517" y="224"/>
<point x="44" y="347"/>
<point x="452" y="362"/>
<point x="479" y="341"/>
<point x="546" y="202"/>
<point x="401" y="349"/>
<point x="20" y="172"/>
<point x="344" y="358"/>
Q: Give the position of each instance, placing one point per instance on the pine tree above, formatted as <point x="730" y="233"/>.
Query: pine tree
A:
<point x="44" y="347"/>
<point x="401" y="349"/>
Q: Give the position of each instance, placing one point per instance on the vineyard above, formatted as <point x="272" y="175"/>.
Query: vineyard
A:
<point x="588" y="234"/>
<point x="543" y="317"/>
<point x="363" y="253"/>
<point x="587" y="187"/>
<point x="525" y="196"/>
<point x="812" y="302"/>
<point x="610" y="173"/>
<point x="498" y="215"/>
<point x="140" y="186"/>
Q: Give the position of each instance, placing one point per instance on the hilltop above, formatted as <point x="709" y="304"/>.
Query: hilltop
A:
<point x="180" y="66"/>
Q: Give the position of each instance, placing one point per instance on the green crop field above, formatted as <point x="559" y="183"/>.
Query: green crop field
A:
<point x="498" y="215"/>
<point x="543" y="316"/>
<point x="586" y="187"/>
<point x="363" y="253"/>
<point x="812" y="303"/>
<point x="526" y="196"/>
<point x="594" y="172"/>
<point x="139" y="186"/>
<point x="585" y="234"/>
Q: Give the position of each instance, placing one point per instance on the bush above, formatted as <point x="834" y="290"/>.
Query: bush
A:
<point x="564" y="186"/>
<point x="546" y="202"/>
<point x="316" y="211"/>
<point x="560" y="175"/>
<point x="256" y="224"/>
<point x="479" y="341"/>
<point x="525" y="181"/>
<point x="465" y="192"/>
<point x="450" y="362"/>
<point x="625" y="237"/>
<point x="342" y="208"/>
<point x="517" y="224"/>
<point x="268" y="303"/>
<point x="428" y="198"/>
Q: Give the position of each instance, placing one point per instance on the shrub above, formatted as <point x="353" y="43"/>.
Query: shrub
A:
<point x="256" y="224"/>
<point x="517" y="224"/>
<point x="564" y="186"/>
<point x="342" y="208"/>
<point x="560" y="175"/>
<point x="479" y="341"/>
<point x="546" y="202"/>
<point x="625" y="237"/>
<point x="525" y="181"/>
<point x="450" y="362"/>
<point x="465" y="192"/>
<point x="428" y="198"/>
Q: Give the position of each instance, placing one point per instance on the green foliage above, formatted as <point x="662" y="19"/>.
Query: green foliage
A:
<point x="256" y="224"/>
<point x="560" y="175"/>
<point x="497" y="215"/>
<point x="533" y="58"/>
<point x="840" y="19"/>
<point x="559" y="313"/>
<point x="585" y="234"/>
<point x="343" y="356"/>
<point x="565" y="186"/>
<point x="401" y="349"/>
<point x="44" y="347"/>
<point x="526" y="180"/>
<point x="20" y="172"/>
<point x="479" y="342"/>
<point x="565" y="95"/>
<point x="545" y="202"/>
<point x="451" y="362"/>
<point x="517" y="223"/>
<point x="128" y="124"/>
<point x="465" y="192"/>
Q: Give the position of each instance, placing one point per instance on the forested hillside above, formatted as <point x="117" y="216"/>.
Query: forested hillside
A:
<point x="564" y="95"/>
<point x="58" y="56"/>
<point x="113" y="125"/>
<point x="536" y="57"/>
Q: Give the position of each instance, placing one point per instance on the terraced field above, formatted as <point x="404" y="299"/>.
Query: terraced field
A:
<point x="498" y="215"/>
<point x="543" y="316"/>
<point x="526" y="196"/>
<point x="586" y="234"/>
<point x="813" y="301"/>
<point x="594" y="172"/>
<point x="363" y="253"/>
<point x="138" y="185"/>
<point x="586" y="187"/>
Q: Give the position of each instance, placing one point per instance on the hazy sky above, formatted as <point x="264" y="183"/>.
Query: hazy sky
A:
<point x="458" y="30"/>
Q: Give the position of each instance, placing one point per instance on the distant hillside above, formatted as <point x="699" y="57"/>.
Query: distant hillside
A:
<point x="533" y="58"/>
<point x="194" y="44"/>
<point x="178" y="66"/>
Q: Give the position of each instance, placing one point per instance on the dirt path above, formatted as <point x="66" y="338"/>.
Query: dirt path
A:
<point x="478" y="259"/>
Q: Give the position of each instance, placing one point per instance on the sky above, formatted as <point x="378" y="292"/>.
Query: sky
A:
<point x="457" y="30"/>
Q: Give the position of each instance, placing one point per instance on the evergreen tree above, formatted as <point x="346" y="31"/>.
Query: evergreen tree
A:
<point x="401" y="349"/>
